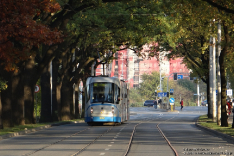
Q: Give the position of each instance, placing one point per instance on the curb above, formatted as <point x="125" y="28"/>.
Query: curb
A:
<point x="226" y="136"/>
<point x="36" y="129"/>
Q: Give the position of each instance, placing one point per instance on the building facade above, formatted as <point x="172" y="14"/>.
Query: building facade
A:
<point x="129" y="67"/>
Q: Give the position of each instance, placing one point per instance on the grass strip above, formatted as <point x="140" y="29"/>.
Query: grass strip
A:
<point x="7" y="130"/>
<point x="208" y="123"/>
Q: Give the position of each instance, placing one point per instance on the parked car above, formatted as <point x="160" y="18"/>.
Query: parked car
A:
<point x="204" y="103"/>
<point x="149" y="103"/>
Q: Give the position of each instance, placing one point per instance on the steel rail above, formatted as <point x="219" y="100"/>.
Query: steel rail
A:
<point x="30" y="153"/>
<point x="81" y="150"/>
<point x="168" y="142"/>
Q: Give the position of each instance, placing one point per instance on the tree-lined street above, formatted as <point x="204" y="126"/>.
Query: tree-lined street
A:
<point x="80" y="139"/>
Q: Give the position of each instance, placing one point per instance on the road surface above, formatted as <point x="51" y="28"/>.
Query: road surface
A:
<point x="149" y="132"/>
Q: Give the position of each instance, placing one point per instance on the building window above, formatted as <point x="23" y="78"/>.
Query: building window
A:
<point x="136" y="78"/>
<point x="135" y="85"/>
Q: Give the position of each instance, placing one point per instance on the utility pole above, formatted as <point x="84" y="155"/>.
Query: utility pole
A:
<point x="214" y="80"/>
<point x="51" y="87"/>
<point x="160" y="71"/>
<point x="211" y="77"/>
<point x="198" y="101"/>
<point x="219" y="76"/>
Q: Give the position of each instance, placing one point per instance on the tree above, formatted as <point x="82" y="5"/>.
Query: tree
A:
<point x="20" y="33"/>
<point x="194" y="30"/>
<point x="183" y="89"/>
<point x="150" y="83"/>
<point x="20" y="36"/>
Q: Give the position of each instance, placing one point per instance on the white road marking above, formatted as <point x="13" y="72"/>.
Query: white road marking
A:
<point x="109" y="145"/>
<point x="102" y="153"/>
<point x="107" y="149"/>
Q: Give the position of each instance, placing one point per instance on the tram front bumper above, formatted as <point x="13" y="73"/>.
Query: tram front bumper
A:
<point x="102" y="119"/>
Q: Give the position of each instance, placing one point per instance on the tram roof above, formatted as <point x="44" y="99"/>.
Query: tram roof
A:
<point x="104" y="79"/>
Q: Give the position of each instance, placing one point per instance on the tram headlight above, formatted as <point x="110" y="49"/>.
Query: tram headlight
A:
<point x="91" y="110"/>
<point x="113" y="110"/>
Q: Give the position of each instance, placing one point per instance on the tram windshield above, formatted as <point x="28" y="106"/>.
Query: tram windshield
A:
<point x="104" y="92"/>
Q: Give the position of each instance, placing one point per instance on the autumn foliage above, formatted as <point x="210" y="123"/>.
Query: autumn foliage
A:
<point x="19" y="32"/>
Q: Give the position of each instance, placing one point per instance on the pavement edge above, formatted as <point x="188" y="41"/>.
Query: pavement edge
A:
<point x="226" y="136"/>
<point x="36" y="129"/>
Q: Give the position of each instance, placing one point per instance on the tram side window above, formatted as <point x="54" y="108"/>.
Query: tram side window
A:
<point x="87" y="93"/>
<point x="117" y="94"/>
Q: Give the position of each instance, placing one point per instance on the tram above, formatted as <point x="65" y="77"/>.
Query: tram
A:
<point x="106" y="100"/>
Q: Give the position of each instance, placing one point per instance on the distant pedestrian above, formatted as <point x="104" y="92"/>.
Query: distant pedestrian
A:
<point x="182" y="104"/>
<point x="229" y="107"/>
<point x="155" y="104"/>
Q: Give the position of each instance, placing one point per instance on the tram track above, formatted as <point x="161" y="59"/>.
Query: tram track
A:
<point x="78" y="152"/>
<point x="160" y="131"/>
<point x="105" y="132"/>
<point x="168" y="142"/>
<point x="81" y="150"/>
<point x="56" y="142"/>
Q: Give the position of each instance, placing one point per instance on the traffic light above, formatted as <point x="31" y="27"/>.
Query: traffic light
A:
<point x="156" y="93"/>
<point x="167" y="94"/>
<point x="175" y="76"/>
<point x="171" y="93"/>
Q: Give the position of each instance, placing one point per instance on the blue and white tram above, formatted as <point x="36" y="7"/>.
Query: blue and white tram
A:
<point x="106" y="100"/>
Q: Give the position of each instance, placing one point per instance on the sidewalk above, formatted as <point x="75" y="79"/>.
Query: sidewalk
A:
<point x="223" y="135"/>
<point x="36" y="129"/>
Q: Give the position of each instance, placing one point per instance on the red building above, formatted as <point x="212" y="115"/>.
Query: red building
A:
<point x="130" y="67"/>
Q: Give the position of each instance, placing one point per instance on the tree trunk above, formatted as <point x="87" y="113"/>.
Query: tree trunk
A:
<point x="72" y="101"/>
<point x="13" y="99"/>
<point x="1" y="126"/>
<point x="65" y="99"/>
<point x="6" y="95"/>
<point x="58" y="100"/>
<point x="18" y="98"/>
<point x="29" y="104"/>
<point x="83" y="98"/>
<point x="224" y="122"/>
<point x="46" y="115"/>
<point x="77" y="113"/>
<point x="77" y="116"/>
<point x="30" y="79"/>
<point x="55" y="68"/>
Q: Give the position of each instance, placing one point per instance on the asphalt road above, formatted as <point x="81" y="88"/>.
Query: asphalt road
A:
<point x="149" y="132"/>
